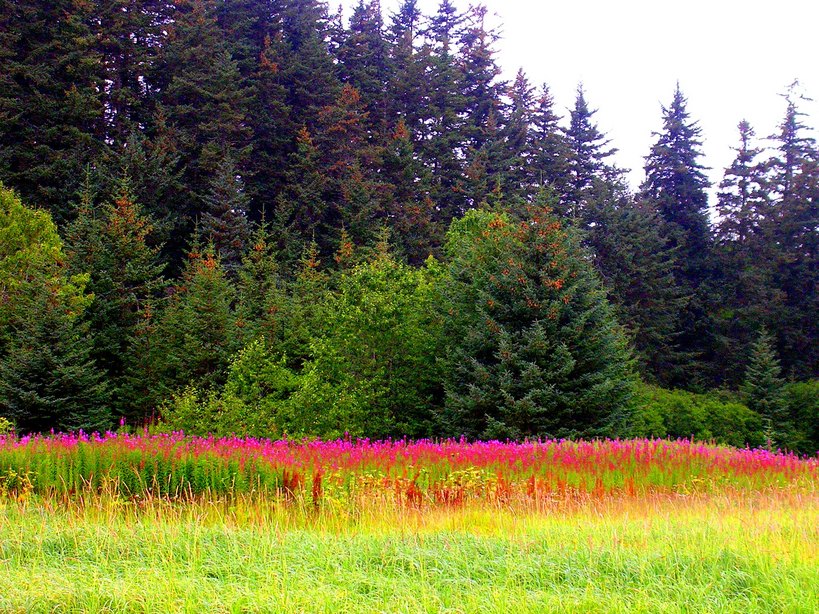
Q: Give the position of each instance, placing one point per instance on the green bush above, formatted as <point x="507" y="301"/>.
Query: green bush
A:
<point x="802" y="401"/>
<point x="6" y="426"/>
<point x="373" y="369"/>
<point x="255" y="400"/>
<point x="715" y="416"/>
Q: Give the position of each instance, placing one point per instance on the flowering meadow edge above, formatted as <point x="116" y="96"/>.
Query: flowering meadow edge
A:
<point x="424" y="472"/>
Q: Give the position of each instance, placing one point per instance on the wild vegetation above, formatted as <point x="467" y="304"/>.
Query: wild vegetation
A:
<point x="429" y="351"/>
<point x="403" y="526"/>
<point x="256" y="218"/>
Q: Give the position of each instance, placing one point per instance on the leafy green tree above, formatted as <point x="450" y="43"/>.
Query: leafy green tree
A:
<point x="533" y="349"/>
<point x="802" y="399"/>
<point x="372" y="372"/>
<point x="255" y="400"/>
<point x="716" y="416"/>
<point x="48" y="379"/>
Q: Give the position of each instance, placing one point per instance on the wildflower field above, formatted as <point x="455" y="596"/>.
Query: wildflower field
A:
<point x="173" y="523"/>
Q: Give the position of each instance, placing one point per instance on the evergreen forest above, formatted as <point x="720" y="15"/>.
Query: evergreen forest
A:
<point x="257" y="217"/>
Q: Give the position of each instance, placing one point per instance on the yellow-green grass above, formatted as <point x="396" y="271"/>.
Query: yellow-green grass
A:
<point x="732" y="552"/>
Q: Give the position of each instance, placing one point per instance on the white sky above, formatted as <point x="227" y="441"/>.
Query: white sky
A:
<point x="731" y="58"/>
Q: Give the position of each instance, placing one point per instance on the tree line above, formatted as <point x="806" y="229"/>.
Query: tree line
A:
<point x="361" y="227"/>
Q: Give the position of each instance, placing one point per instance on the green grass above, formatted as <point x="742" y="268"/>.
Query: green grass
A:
<point x="665" y="554"/>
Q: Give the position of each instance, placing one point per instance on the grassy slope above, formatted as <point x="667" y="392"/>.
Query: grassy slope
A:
<point x="666" y="555"/>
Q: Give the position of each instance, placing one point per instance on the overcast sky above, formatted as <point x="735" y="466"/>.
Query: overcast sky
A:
<point x="731" y="58"/>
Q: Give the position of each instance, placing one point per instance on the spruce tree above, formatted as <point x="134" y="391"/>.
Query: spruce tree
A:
<point x="130" y="35"/>
<point x="588" y="151"/>
<point x="746" y="251"/>
<point x="365" y="63"/>
<point x="204" y="99"/>
<point x="518" y="159"/>
<point x="48" y="379"/>
<point x="51" y="107"/>
<point x="198" y="327"/>
<point x="259" y="286"/>
<point x="533" y="349"/>
<point x="410" y="209"/>
<point x="113" y="244"/>
<point x="676" y="186"/>
<point x="742" y="201"/>
<point x="445" y="140"/>
<point x="272" y="121"/>
<point x="225" y="221"/>
<point x="638" y="271"/>
<point x="410" y="58"/>
<point x="308" y="71"/>
<point x="301" y="213"/>
<point x="792" y="232"/>
<point x="550" y="150"/>
<point x="351" y="164"/>
<point x="763" y="388"/>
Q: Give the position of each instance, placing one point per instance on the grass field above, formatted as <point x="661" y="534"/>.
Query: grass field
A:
<point x="740" y="533"/>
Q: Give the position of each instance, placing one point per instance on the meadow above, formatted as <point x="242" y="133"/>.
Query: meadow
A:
<point x="173" y="523"/>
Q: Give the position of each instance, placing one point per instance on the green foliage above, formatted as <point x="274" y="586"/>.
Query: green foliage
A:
<point x="372" y="370"/>
<point x="533" y="349"/>
<point x="255" y="400"/>
<point x="6" y="426"/>
<point x="638" y="271"/>
<point x="802" y="401"/>
<point x="676" y="188"/>
<point x="225" y="222"/>
<point x="762" y="389"/>
<point x="47" y="376"/>
<point x="51" y="107"/>
<point x="198" y="332"/>
<point x="114" y="244"/>
<point x="206" y="103"/>
<point x="704" y="417"/>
